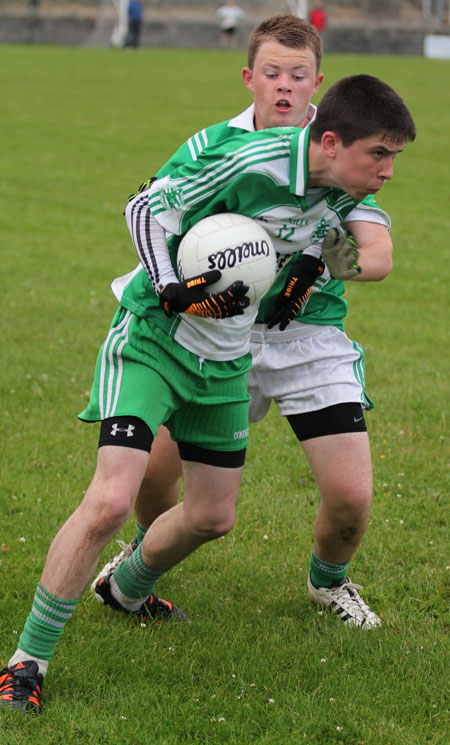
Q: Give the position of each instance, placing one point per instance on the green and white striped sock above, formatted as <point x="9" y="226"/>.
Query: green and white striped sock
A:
<point x="134" y="580"/>
<point x="323" y="573"/>
<point x="45" y="624"/>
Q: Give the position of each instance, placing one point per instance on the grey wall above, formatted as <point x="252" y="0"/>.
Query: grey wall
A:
<point x="197" y="32"/>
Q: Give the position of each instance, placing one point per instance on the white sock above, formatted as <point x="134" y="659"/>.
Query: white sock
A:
<point x="21" y="656"/>
<point x="128" y="603"/>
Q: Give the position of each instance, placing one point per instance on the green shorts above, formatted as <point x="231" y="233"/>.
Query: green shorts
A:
<point x="142" y="371"/>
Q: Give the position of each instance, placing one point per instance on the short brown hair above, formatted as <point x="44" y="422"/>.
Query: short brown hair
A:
<point x="361" y="106"/>
<point x="289" y="30"/>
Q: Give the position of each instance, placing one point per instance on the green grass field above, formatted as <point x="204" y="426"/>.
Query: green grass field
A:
<point x="258" y="665"/>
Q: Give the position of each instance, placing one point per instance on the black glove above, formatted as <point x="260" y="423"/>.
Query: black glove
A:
<point x="296" y="290"/>
<point x="340" y="254"/>
<point x="190" y="297"/>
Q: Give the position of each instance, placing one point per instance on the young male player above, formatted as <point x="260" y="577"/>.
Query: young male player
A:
<point x="178" y="355"/>
<point x="315" y="374"/>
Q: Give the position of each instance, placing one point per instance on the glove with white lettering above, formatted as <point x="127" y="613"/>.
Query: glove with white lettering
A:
<point x="295" y="292"/>
<point x="340" y="254"/>
<point x="190" y="297"/>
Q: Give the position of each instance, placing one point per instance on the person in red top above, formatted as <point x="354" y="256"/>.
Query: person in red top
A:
<point x="318" y="16"/>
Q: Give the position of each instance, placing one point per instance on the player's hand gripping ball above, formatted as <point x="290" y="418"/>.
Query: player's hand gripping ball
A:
<point x="296" y="291"/>
<point x="191" y="297"/>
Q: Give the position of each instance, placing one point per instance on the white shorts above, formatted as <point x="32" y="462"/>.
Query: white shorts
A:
<point x="304" y="368"/>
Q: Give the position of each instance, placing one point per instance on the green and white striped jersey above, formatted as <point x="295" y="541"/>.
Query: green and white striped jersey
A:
<point x="263" y="175"/>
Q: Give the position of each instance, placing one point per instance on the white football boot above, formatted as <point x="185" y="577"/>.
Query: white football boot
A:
<point x="343" y="599"/>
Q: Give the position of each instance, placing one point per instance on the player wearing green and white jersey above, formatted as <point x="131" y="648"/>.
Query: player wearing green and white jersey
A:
<point x="357" y="164"/>
<point x="312" y="370"/>
<point x="276" y="167"/>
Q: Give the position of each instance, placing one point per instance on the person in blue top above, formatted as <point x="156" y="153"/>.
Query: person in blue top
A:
<point x="134" y="24"/>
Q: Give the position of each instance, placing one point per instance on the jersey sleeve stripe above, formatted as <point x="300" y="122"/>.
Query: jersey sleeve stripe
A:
<point x="192" y="149"/>
<point x="198" y="143"/>
<point x="141" y="234"/>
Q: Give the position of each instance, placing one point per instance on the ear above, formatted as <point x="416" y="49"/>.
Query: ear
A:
<point x="319" y="81"/>
<point x="247" y="77"/>
<point x="330" y="143"/>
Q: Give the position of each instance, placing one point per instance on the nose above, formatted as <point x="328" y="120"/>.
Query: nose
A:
<point x="284" y="84"/>
<point x="387" y="171"/>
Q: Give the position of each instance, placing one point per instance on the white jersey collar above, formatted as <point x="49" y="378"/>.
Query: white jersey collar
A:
<point x="246" y="120"/>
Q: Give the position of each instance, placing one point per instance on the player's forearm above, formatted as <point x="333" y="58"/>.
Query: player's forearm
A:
<point x="149" y="240"/>
<point x="375" y="263"/>
<point x="375" y="251"/>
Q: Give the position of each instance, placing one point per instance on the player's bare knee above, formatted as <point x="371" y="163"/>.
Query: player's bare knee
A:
<point x="108" y="506"/>
<point x="212" y="527"/>
<point x="213" y="532"/>
<point x="117" y="512"/>
<point x="223" y="527"/>
<point x="359" y="499"/>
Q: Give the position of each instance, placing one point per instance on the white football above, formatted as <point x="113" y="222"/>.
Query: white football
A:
<point x="237" y="245"/>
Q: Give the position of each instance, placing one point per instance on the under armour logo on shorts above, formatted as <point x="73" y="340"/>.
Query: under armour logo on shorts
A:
<point x="128" y="430"/>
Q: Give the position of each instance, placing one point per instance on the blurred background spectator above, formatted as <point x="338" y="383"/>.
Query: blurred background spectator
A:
<point x="230" y="15"/>
<point x="134" y="24"/>
<point x="318" y="16"/>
